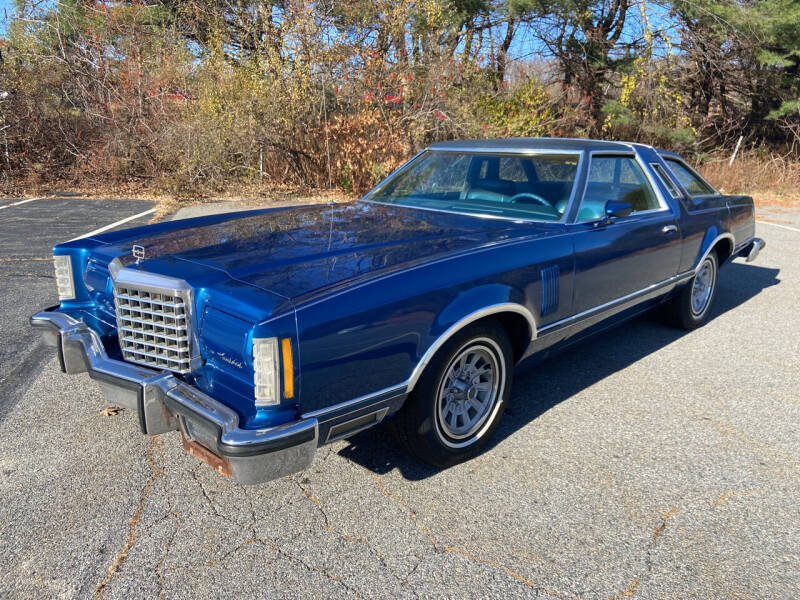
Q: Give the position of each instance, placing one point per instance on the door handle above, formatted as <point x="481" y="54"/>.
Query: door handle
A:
<point x="669" y="229"/>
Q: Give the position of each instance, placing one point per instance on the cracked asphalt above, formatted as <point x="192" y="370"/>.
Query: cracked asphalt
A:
<point x="645" y="463"/>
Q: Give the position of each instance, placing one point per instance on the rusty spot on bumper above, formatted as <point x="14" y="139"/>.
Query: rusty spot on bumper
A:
<point x="219" y="464"/>
<point x="170" y="418"/>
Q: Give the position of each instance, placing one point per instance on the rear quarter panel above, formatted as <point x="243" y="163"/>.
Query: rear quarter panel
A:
<point x="742" y="218"/>
<point x="700" y="225"/>
<point x="706" y="219"/>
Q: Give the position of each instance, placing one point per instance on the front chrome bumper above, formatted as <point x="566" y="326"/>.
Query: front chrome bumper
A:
<point x="164" y="403"/>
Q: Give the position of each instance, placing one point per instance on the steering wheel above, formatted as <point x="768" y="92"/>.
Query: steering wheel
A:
<point x="535" y="197"/>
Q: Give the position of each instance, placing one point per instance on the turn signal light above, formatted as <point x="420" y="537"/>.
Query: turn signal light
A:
<point x="64" y="281"/>
<point x="265" y="363"/>
<point x="288" y="368"/>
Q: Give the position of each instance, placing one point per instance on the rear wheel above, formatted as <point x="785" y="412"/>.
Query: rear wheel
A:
<point x="690" y="308"/>
<point x="459" y="400"/>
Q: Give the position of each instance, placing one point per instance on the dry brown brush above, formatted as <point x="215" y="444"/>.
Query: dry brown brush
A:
<point x="189" y="96"/>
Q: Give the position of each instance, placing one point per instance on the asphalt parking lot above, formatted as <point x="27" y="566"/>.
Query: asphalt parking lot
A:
<point x="646" y="463"/>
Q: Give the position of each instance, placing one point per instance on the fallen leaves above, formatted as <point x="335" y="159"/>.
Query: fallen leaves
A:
<point x="111" y="411"/>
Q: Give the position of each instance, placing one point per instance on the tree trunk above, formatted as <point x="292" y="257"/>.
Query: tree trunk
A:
<point x="502" y="53"/>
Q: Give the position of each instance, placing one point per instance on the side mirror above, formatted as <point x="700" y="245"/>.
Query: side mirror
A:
<point x="617" y="210"/>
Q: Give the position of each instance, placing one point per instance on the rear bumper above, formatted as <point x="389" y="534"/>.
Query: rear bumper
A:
<point x="753" y="248"/>
<point x="164" y="403"/>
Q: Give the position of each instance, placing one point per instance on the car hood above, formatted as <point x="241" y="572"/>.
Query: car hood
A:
<point x="301" y="250"/>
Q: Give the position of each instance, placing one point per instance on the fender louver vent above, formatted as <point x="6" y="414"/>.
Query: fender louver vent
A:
<point x="549" y="289"/>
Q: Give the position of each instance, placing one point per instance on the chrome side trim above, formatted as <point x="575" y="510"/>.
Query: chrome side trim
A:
<point x="722" y="236"/>
<point x="612" y="303"/>
<point x="389" y="392"/>
<point x="662" y="175"/>
<point x="459" y="325"/>
<point x="504" y="150"/>
<point x="540" y="139"/>
<point x="648" y="173"/>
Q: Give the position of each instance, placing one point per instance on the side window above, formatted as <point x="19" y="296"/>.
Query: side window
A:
<point x="617" y="178"/>
<point x="603" y="169"/>
<point x="666" y="180"/>
<point x="691" y="181"/>
<point x="511" y="169"/>
<point x="630" y="173"/>
<point x="547" y="169"/>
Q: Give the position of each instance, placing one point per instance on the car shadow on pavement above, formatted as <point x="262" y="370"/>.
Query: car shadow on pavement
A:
<point x="542" y="384"/>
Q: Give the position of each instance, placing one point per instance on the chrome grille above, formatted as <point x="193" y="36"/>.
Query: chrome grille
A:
<point x="154" y="327"/>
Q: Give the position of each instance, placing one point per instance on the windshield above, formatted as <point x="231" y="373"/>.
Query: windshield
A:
<point x="515" y="186"/>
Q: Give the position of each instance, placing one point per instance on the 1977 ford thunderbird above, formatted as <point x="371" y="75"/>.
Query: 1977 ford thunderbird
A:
<point x="261" y="335"/>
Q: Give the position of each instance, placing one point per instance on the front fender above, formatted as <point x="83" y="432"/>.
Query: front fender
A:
<point x="465" y="319"/>
<point x="479" y="298"/>
<point x="380" y="334"/>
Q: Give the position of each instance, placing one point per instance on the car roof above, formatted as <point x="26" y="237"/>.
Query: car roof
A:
<point x="668" y="153"/>
<point x="529" y="144"/>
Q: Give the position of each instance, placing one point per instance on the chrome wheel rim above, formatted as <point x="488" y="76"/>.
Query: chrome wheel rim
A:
<point x="468" y="392"/>
<point x="702" y="286"/>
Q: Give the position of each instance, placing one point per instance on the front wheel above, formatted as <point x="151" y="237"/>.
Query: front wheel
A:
<point x="690" y="308"/>
<point x="459" y="400"/>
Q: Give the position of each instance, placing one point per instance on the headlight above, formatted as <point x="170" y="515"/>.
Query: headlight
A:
<point x="64" y="280"/>
<point x="265" y="362"/>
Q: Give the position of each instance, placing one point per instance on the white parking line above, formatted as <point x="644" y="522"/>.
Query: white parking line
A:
<point x="781" y="226"/>
<point x="20" y="202"/>
<point x="120" y="222"/>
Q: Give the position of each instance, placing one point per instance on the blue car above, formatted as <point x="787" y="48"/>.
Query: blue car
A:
<point x="262" y="335"/>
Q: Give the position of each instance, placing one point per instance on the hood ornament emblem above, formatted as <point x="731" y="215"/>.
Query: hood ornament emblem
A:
<point x="138" y="253"/>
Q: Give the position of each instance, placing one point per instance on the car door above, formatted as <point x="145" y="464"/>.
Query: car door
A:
<point x="621" y="258"/>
